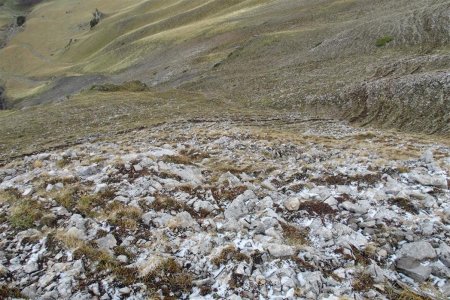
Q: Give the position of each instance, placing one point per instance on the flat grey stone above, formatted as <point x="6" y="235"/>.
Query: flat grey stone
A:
<point x="438" y="181"/>
<point x="278" y="250"/>
<point x="418" y="250"/>
<point x="412" y="268"/>
<point x="108" y="242"/>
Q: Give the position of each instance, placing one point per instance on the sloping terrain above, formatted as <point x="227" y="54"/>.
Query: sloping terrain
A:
<point x="230" y="210"/>
<point x="279" y="52"/>
<point x="225" y="149"/>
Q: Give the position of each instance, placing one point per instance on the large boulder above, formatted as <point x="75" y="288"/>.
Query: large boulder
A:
<point x="414" y="269"/>
<point x="417" y="250"/>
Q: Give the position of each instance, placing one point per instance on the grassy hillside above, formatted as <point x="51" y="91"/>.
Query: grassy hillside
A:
<point x="372" y="62"/>
<point x="179" y="42"/>
<point x="96" y="115"/>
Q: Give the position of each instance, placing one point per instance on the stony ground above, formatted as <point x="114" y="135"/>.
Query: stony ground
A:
<point x="215" y="210"/>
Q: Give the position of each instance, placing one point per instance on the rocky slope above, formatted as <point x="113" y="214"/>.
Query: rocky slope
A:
<point x="214" y="210"/>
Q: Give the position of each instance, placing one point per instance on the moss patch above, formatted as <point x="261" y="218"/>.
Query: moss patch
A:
<point x="383" y="41"/>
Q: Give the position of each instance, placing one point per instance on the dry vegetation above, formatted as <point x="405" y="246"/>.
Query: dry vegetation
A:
<point x="96" y="115"/>
<point x="24" y="214"/>
<point x="170" y="277"/>
<point x="294" y="235"/>
<point x="229" y="253"/>
<point x="301" y="48"/>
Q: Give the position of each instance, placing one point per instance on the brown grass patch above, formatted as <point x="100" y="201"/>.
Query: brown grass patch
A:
<point x="126" y="275"/>
<point x="55" y="180"/>
<point x="229" y="253"/>
<point x="361" y="257"/>
<point x="170" y="278"/>
<point x="304" y="265"/>
<point x="367" y="179"/>
<point x="131" y="173"/>
<point x="7" y="292"/>
<point x="167" y="203"/>
<point x="62" y="163"/>
<point x="222" y="194"/>
<point x="404" y="204"/>
<point x="186" y="157"/>
<point x="177" y="159"/>
<point x="10" y="195"/>
<point x="123" y="216"/>
<point x="362" y="282"/>
<point x="86" y="205"/>
<point x="316" y="208"/>
<point x="294" y="235"/>
<point x="103" y="259"/>
<point x="68" y="197"/>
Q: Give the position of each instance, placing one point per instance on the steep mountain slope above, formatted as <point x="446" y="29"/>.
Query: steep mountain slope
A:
<point x="206" y="149"/>
<point x="278" y="52"/>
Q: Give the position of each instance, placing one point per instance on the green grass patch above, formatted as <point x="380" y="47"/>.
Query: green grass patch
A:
<point x="383" y="41"/>
<point x="24" y="214"/>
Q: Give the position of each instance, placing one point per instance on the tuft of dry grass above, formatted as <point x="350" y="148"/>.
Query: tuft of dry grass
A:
<point x="10" y="196"/>
<point x="124" y="216"/>
<point x="317" y="208"/>
<point x="405" y="204"/>
<point x="38" y="164"/>
<point x="177" y="159"/>
<point x="7" y="292"/>
<point x="62" y="163"/>
<point x="294" y="235"/>
<point x="126" y="275"/>
<point x="169" y="277"/>
<point x="68" y="197"/>
<point x="402" y="292"/>
<point x="87" y="250"/>
<point x="70" y="241"/>
<point x="368" y="179"/>
<point x="225" y="194"/>
<point x="403" y="169"/>
<point x="362" y="282"/>
<point x="167" y="203"/>
<point x="86" y="205"/>
<point x="228" y="253"/>
<point x="24" y="214"/>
